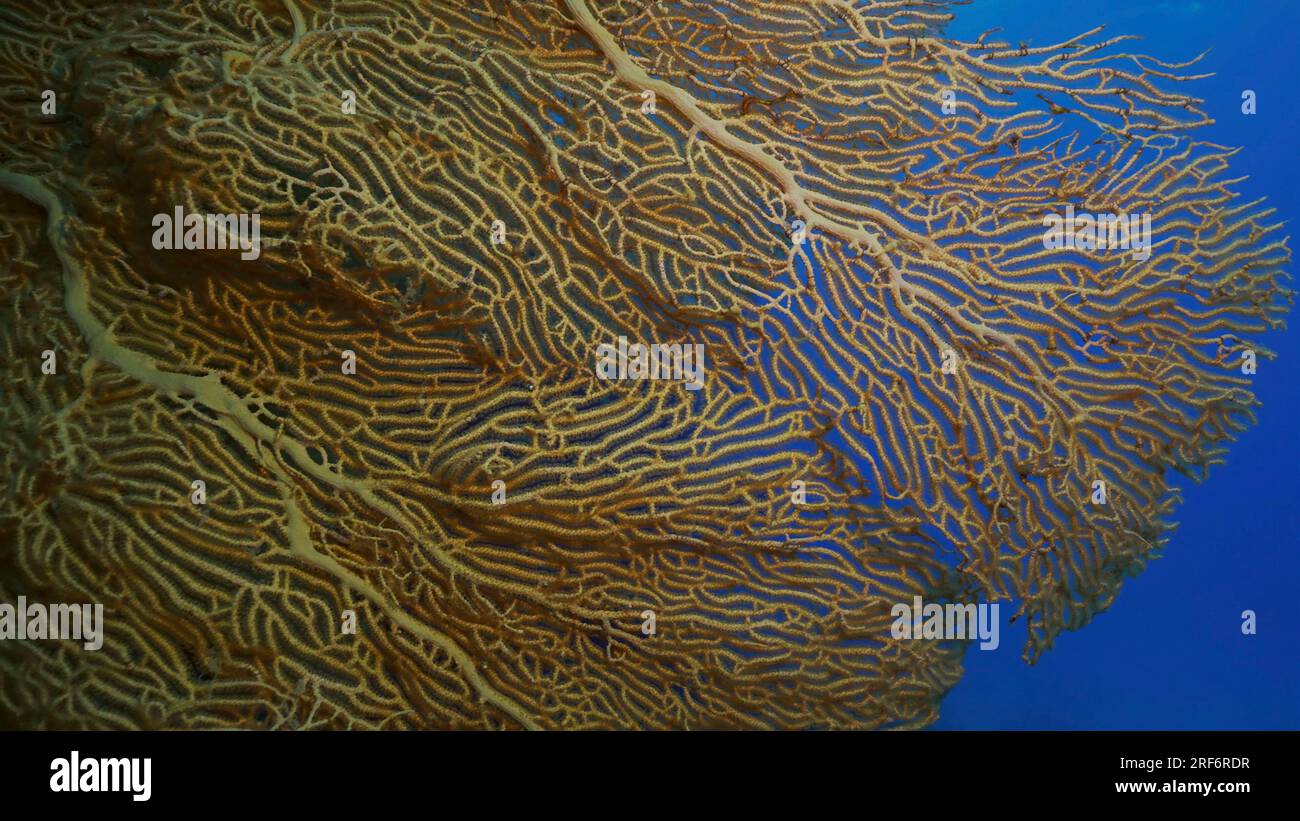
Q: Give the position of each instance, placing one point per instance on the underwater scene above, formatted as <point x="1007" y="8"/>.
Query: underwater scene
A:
<point x="649" y="365"/>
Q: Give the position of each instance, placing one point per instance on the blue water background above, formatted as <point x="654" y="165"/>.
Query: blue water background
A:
<point x="1170" y="654"/>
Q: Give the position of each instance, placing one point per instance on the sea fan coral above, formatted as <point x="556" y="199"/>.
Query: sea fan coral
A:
<point x="395" y="412"/>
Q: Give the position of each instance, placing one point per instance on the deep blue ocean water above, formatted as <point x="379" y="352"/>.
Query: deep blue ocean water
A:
<point x="1170" y="654"/>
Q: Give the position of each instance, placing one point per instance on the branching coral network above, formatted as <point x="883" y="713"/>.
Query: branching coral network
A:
<point x="468" y="198"/>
